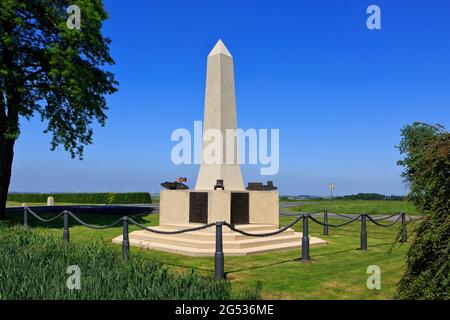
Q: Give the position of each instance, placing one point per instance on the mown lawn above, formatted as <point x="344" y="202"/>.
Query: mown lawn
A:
<point x="337" y="270"/>
<point x="357" y="206"/>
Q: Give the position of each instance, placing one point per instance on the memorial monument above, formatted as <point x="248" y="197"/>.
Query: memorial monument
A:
<point x="219" y="193"/>
<point x="220" y="113"/>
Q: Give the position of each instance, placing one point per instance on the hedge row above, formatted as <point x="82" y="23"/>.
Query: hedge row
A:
<point x="35" y="266"/>
<point x="88" y="198"/>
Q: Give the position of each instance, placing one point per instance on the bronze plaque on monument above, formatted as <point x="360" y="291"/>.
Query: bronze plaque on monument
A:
<point x="198" y="207"/>
<point x="239" y="208"/>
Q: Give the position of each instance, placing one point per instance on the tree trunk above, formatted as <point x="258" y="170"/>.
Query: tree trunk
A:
<point x="9" y="115"/>
<point x="6" y="159"/>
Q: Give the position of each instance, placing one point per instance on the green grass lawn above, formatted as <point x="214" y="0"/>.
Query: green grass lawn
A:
<point x="336" y="271"/>
<point x="357" y="206"/>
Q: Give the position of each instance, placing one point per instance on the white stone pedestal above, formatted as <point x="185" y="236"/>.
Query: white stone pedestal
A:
<point x="263" y="206"/>
<point x="174" y="215"/>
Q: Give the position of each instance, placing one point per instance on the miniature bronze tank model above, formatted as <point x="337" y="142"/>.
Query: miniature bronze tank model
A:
<point x="259" y="186"/>
<point x="176" y="185"/>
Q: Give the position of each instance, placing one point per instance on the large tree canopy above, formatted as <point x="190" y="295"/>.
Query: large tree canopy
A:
<point x="53" y="71"/>
<point x="427" y="171"/>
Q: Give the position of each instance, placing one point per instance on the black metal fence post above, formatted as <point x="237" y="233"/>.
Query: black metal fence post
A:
<point x="66" y="234"/>
<point x="404" y="231"/>
<point x="363" y="244"/>
<point x="305" y="240"/>
<point x="218" y="256"/>
<point x="325" y="222"/>
<point x="125" y="239"/>
<point x="25" y="217"/>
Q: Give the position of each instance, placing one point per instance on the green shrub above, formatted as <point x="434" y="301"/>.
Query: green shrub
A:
<point x="34" y="266"/>
<point x="427" y="167"/>
<point x="87" y="198"/>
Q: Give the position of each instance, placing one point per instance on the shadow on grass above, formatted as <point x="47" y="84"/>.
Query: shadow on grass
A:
<point x="299" y="259"/>
<point x="189" y="267"/>
<point x="263" y="266"/>
<point x="211" y="270"/>
<point x="350" y="250"/>
<point x="276" y="263"/>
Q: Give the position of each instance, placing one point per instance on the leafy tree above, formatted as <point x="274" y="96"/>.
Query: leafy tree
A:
<point x="427" y="171"/>
<point x="53" y="71"/>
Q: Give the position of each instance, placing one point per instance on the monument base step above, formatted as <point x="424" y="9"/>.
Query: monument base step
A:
<point x="202" y="242"/>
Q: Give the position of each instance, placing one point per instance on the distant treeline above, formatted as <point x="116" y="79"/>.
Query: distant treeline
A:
<point x="85" y="198"/>
<point x="371" y="196"/>
<point x="359" y="196"/>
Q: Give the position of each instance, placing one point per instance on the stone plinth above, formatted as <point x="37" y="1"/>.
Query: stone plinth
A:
<point x="202" y="243"/>
<point x="263" y="206"/>
<point x="263" y="217"/>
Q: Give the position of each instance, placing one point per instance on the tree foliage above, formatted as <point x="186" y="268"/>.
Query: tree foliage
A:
<point x="52" y="71"/>
<point x="55" y="71"/>
<point x="427" y="171"/>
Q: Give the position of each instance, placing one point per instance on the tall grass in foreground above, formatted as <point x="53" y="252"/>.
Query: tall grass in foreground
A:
<point x="34" y="266"/>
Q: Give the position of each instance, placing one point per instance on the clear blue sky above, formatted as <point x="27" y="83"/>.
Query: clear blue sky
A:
<point x="338" y="92"/>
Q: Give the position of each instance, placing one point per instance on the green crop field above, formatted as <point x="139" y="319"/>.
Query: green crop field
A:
<point x="337" y="270"/>
<point x="356" y="206"/>
<point x="35" y="264"/>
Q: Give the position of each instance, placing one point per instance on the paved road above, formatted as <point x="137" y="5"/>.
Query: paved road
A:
<point x="154" y="208"/>
<point x="89" y="209"/>
<point x="283" y="205"/>
<point x="286" y="205"/>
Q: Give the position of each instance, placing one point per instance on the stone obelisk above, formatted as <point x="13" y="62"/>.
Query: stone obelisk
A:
<point x="249" y="209"/>
<point x="220" y="113"/>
